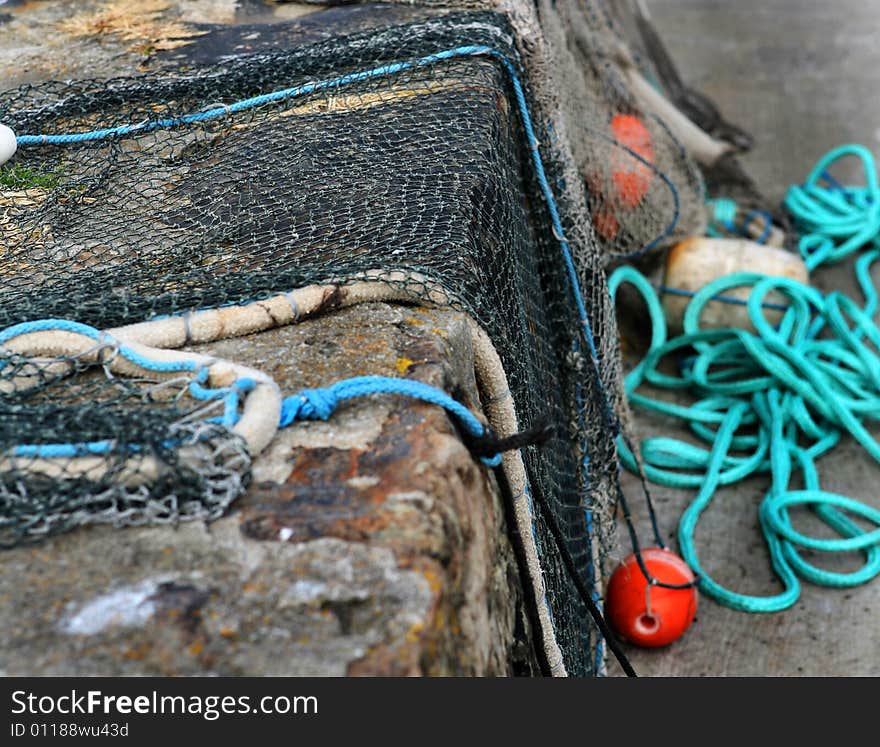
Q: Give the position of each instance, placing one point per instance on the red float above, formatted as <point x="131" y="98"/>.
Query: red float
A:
<point x="632" y="178"/>
<point x="671" y="610"/>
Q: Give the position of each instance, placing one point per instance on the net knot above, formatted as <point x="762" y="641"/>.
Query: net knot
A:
<point x="308" y="404"/>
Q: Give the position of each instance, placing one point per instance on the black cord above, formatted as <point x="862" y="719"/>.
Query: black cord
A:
<point x="489" y="444"/>
<point x="633" y="535"/>
<point x="538" y="434"/>
<point x="583" y="591"/>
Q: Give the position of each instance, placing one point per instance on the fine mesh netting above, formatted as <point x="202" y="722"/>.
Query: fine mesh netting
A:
<point x="644" y="192"/>
<point x="396" y="160"/>
<point x="150" y="461"/>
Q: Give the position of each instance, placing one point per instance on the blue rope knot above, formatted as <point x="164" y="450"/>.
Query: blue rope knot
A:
<point x="308" y="404"/>
<point x="724" y="214"/>
<point x="320" y="404"/>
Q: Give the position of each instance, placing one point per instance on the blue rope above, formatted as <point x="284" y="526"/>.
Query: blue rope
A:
<point x="571" y="271"/>
<point x="228" y="395"/>
<point x="719" y="297"/>
<point x="309" y="404"/>
<point x="62" y="451"/>
<point x="320" y="404"/>
<point x="65" y="325"/>
<point x="249" y="103"/>
<point x="768" y="224"/>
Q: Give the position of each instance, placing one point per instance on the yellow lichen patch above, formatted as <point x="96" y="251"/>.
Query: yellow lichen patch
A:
<point x="144" y="22"/>
<point x="434" y="580"/>
<point x="403" y="364"/>
<point x="22" y="197"/>
<point x="414" y="634"/>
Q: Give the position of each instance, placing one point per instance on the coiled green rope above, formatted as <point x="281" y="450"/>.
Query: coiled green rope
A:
<point x="777" y="399"/>
<point x="835" y="220"/>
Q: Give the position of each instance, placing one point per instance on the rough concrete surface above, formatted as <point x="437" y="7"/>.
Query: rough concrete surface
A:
<point x="801" y="75"/>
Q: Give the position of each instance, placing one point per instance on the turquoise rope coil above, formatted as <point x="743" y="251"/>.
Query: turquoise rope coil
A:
<point x="775" y="400"/>
<point x="836" y="220"/>
<point x="724" y="214"/>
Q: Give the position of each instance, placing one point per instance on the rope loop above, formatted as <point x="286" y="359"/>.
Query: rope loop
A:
<point x="836" y="220"/>
<point x="774" y="399"/>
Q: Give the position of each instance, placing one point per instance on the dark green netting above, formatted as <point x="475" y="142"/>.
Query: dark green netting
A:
<point x="419" y="178"/>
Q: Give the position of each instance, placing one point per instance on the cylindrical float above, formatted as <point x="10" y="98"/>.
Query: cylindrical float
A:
<point x="696" y="261"/>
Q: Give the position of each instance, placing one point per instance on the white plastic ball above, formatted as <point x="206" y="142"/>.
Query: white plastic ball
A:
<point x="8" y="146"/>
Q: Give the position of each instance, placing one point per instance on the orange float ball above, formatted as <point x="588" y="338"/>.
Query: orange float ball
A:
<point x="672" y="610"/>
<point x="632" y="178"/>
<point x="606" y="224"/>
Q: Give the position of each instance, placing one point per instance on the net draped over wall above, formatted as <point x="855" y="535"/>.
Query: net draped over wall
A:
<point x="398" y="158"/>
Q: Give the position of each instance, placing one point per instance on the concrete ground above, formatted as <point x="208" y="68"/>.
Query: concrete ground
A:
<point x="801" y="76"/>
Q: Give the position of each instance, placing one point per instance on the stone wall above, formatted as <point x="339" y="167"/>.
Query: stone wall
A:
<point x="370" y="544"/>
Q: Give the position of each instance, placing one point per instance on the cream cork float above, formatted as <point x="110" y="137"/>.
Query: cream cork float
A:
<point x="696" y="261"/>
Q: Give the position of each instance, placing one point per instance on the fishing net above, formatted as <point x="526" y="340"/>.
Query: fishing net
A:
<point x="393" y="163"/>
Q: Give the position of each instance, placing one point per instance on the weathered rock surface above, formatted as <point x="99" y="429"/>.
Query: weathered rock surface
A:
<point x="370" y="544"/>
